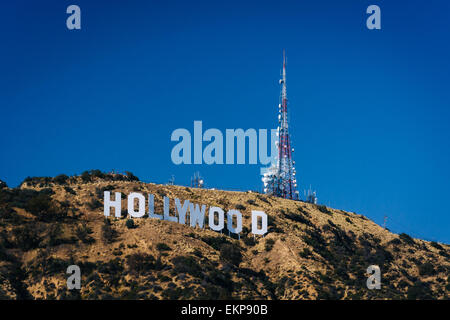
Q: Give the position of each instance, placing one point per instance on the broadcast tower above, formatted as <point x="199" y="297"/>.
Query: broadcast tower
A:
<point x="279" y="179"/>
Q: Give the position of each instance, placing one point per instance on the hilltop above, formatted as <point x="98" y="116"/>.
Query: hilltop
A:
<point x="310" y="252"/>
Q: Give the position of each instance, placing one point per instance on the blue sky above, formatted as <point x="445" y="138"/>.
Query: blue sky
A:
<point x="369" y="108"/>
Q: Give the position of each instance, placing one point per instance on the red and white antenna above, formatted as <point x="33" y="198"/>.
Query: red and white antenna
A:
<point x="281" y="180"/>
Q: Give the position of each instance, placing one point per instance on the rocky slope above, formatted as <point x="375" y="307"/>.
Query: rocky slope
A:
<point x="310" y="251"/>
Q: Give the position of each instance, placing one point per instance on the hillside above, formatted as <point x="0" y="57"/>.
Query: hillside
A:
<point x="310" y="251"/>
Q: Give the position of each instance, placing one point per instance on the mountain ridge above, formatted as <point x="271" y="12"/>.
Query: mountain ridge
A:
<point x="310" y="251"/>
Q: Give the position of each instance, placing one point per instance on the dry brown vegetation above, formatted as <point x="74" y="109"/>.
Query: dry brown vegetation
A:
<point x="310" y="252"/>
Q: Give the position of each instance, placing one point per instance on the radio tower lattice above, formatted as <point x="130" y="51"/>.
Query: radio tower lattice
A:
<point x="279" y="179"/>
<point x="197" y="181"/>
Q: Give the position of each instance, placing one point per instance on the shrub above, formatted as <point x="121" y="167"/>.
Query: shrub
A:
<point x="240" y="207"/>
<point x="94" y="204"/>
<point x="231" y="254"/>
<point x="215" y="242"/>
<point x="112" y="267"/>
<point x="3" y="184"/>
<point x="38" y="181"/>
<point x="39" y="205"/>
<point x="163" y="247"/>
<point x="436" y="245"/>
<point x="305" y="253"/>
<point x="164" y="278"/>
<point x="172" y="293"/>
<point x="395" y="241"/>
<point x="130" y="224"/>
<point x="197" y="253"/>
<point x="17" y="197"/>
<point x="70" y="190"/>
<point x="406" y="238"/>
<point x="263" y="198"/>
<point x="249" y="241"/>
<point x="315" y="240"/>
<point x="304" y="212"/>
<point x="26" y="237"/>
<point x="61" y="179"/>
<point x="269" y="244"/>
<point x="85" y="176"/>
<point x="97" y="173"/>
<point x="47" y="191"/>
<point x="272" y="226"/>
<point x="324" y="209"/>
<point x="131" y="176"/>
<point x="3" y="254"/>
<point x="186" y="264"/>
<point x="83" y="233"/>
<point x="44" y="264"/>
<point x="426" y="269"/>
<point x="140" y="262"/>
<point x="297" y="218"/>
<point x="109" y="235"/>
<point x="43" y="208"/>
<point x="6" y="212"/>
<point x="54" y="234"/>
<point x="251" y="202"/>
<point x="419" y="290"/>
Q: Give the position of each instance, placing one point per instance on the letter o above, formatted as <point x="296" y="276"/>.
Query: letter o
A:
<point x="238" y="215"/>
<point x="212" y="225"/>
<point x="141" y="202"/>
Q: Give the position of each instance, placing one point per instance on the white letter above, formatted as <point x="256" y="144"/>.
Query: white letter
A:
<point x="184" y="145"/>
<point x="151" y="205"/>
<point x="238" y="215"/>
<point x="181" y="210"/>
<point x="255" y="216"/>
<point x="141" y="203"/>
<point x="196" y="215"/>
<point x="374" y="21"/>
<point x="264" y="158"/>
<point x="240" y="137"/>
<point x="73" y="21"/>
<point x="374" y="281"/>
<point x="216" y="146"/>
<point x="198" y="137"/>
<point x="167" y="211"/>
<point x="212" y="225"/>
<point x="74" y="281"/>
<point x="108" y="204"/>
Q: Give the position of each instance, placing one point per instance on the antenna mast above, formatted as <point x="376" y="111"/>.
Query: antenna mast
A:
<point x="197" y="181"/>
<point x="280" y="179"/>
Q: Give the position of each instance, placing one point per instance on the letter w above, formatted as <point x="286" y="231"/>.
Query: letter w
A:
<point x="197" y="215"/>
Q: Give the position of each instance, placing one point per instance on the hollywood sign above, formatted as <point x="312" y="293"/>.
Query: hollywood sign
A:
<point x="196" y="213"/>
